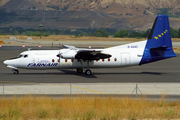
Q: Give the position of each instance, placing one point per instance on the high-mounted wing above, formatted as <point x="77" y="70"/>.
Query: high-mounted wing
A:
<point x="82" y="53"/>
<point x="69" y="47"/>
<point x="91" y="55"/>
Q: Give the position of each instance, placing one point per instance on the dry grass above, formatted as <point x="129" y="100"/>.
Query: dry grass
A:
<point x="70" y="38"/>
<point x="87" y="108"/>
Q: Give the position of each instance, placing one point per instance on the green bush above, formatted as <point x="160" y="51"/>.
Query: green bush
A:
<point x="122" y="34"/>
<point x="101" y="33"/>
<point x="138" y="37"/>
<point x="46" y="35"/>
<point x="135" y="34"/>
<point x="146" y="34"/>
<point x="174" y="33"/>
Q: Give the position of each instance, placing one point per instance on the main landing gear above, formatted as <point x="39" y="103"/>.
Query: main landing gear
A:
<point x="15" y="71"/>
<point x="79" y="70"/>
<point x="87" y="72"/>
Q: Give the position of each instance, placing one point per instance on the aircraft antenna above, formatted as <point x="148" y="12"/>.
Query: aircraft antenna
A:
<point x="29" y="49"/>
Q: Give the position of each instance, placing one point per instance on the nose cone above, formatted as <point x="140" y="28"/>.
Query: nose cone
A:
<point x="5" y="62"/>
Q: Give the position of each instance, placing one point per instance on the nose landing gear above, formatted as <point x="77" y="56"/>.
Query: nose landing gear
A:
<point x="15" y="71"/>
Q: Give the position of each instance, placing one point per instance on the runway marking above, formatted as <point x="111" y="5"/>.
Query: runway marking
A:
<point x="56" y="85"/>
<point x="88" y="90"/>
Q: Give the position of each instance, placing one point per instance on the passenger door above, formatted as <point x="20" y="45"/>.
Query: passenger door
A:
<point x="35" y="59"/>
<point x="125" y="59"/>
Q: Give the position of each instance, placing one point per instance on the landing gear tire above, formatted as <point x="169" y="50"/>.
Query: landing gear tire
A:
<point x="15" y="71"/>
<point x="79" y="70"/>
<point x="88" y="72"/>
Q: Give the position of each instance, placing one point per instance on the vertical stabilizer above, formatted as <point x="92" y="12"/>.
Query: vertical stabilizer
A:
<point x="159" y="44"/>
<point x="160" y="34"/>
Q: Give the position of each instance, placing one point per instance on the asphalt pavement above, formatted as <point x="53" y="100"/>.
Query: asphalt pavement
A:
<point x="162" y="77"/>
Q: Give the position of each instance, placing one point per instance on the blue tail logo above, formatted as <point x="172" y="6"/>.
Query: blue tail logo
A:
<point x="159" y="44"/>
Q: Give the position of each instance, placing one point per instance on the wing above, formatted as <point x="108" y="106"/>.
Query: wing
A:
<point x="91" y="55"/>
<point x="69" y="47"/>
<point x="83" y="53"/>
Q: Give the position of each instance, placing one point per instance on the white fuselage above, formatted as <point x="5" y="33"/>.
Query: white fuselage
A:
<point x="121" y="56"/>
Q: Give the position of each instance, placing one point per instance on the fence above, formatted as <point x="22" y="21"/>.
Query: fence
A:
<point x="91" y="88"/>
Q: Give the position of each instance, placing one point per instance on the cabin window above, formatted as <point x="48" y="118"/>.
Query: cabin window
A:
<point x="65" y="60"/>
<point x="109" y="59"/>
<point x="25" y="56"/>
<point x="53" y="60"/>
<point x="115" y="59"/>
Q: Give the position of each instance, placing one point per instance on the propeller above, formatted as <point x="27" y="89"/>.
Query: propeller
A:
<point x="59" y="55"/>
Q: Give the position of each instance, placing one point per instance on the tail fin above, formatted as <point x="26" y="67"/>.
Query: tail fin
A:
<point x="159" y="44"/>
<point x="160" y="34"/>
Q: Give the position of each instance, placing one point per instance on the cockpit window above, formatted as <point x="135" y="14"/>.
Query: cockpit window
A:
<point x="17" y="57"/>
<point x="20" y="56"/>
<point x="25" y="56"/>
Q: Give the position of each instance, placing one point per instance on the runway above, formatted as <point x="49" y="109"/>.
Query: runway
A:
<point x="154" y="79"/>
<point x="165" y="71"/>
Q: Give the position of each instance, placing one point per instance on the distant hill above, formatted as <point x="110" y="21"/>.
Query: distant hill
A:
<point x="72" y="14"/>
<point x="113" y="6"/>
<point x="2" y="2"/>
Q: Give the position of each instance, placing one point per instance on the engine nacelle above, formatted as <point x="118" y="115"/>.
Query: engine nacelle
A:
<point x="69" y="54"/>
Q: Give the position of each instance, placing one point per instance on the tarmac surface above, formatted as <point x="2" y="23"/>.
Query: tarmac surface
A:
<point x="165" y="71"/>
<point x="162" y="77"/>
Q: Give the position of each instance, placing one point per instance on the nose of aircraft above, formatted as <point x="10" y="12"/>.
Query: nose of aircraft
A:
<point x="5" y="62"/>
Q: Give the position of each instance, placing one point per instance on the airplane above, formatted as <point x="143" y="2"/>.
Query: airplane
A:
<point x="157" y="47"/>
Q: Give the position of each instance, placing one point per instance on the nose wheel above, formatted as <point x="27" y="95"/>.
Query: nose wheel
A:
<point x="15" y="71"/>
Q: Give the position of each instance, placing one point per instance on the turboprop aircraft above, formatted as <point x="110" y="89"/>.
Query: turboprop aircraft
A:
<point x="157" y="47"/>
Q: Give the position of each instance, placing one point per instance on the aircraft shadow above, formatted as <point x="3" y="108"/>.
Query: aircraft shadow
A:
<point x="70" y="72"/>
<point x="78" y="74"/>
<point x="133" y="73"/>
<point x="63" y="72"/>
